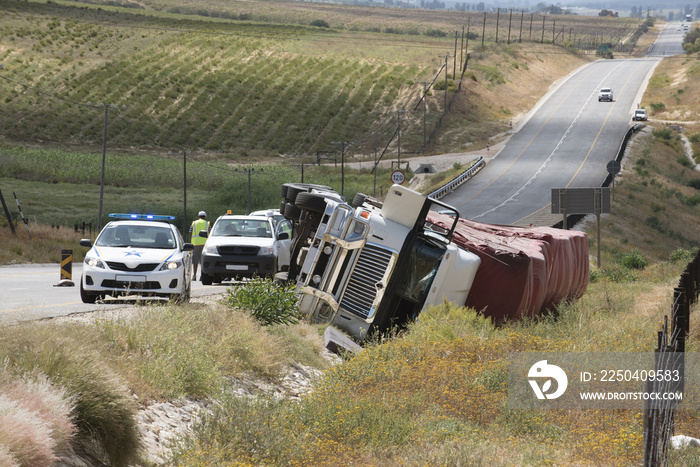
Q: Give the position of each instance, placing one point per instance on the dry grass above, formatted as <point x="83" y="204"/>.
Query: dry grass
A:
<point x="36" y="420"/>
<point x="676" y="84"/>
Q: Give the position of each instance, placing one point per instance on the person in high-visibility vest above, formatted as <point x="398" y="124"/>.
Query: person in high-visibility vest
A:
<point x="197" y="226"/>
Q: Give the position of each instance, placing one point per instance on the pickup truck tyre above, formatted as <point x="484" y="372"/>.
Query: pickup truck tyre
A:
<point x="358" y="200"/>
<point x="207" y="279"/>
<point x="311" y="202"/>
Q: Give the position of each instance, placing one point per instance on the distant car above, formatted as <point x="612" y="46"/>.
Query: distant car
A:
<point x="605" y="94"/>
<point x="275" y="214"/>
<point x="640" y="115"/>
<point x="141" y="255"/>
<point x="245" y="246"/>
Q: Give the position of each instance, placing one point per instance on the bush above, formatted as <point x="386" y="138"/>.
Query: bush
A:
<point x="681" y="255"/>
<point x="664" y="133"/>
<point x="634" y="260"/>
<point x="319" y="23"/>
<point x="657" y="106"/>
<point x="267" y="301"/>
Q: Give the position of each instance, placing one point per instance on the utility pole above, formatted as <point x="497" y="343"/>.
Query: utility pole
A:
<point x="107" y="107"/>
<point x="454" y="62"/>
<point x="425" y="112"/>
<point x="510" y="22"/>
<point x="483" y="31"/>
<point x="184" y="192"/>
<point x="342" y="165"/>
<point x="543" y="18"/>
<point x="249" y="170"/>
<point x="398" y="130"/>
<point x="461" y="47"/>
<point x="522" y="15"/>
<point x="447" y="56"/>
<point x="498" y="16"/>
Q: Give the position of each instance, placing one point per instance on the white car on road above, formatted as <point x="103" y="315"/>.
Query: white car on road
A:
<point x="640" y="115"/>
<point x="245" y="246"/>
<point x="605" y="94"/>
<point x="140" y="255"/>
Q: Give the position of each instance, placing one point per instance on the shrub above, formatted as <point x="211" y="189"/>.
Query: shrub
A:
<point x="319" y="23"/>
<point x="664" y="133"/>
<point x="267" y="301"/>
<point x="634" y="260"/>
<point x="655" y="223"/>
<point x="681" y="255"/>
<point x="657" y="106"/>
<point x="435" y="33"/>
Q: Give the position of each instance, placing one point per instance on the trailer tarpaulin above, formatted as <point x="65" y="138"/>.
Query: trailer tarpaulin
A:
<point x="524" y="271"/>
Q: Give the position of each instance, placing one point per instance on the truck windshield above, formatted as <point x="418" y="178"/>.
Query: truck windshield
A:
<point x="419" y="271"/>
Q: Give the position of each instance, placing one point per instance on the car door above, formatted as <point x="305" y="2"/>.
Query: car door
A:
<point x="282" y="244"/>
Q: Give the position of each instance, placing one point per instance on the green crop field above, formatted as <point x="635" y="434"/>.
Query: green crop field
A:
<point x="234" y="85"/>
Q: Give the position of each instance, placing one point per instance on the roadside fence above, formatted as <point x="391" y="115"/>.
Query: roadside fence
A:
<point x="670" y="355"/>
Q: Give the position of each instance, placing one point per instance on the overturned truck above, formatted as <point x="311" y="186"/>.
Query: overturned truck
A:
<point x="368" y="267"/>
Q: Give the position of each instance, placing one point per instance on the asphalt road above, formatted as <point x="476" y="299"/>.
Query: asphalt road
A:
<point x="669" y="42"/>
<point x="29" y="292"/>
<point x="565" y="142"/>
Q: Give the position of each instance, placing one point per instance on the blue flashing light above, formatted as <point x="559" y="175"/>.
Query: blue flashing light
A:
<point x="148" y="217"/>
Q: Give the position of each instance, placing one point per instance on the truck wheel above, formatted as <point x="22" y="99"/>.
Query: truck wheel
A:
<point x="311" y="202"/>
<point x="358" y="200"/>
<point x="293" y="189"/>
<point x="292" y="212"/>
<point x="206" y="279"/>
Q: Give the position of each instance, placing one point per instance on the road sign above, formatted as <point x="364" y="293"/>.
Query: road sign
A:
<point x="580" y="200"/>
<point x="398" y="177"/>
<point x="613" y="167"/>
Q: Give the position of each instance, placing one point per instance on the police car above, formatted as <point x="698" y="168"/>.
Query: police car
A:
<point x="137" y="254"/>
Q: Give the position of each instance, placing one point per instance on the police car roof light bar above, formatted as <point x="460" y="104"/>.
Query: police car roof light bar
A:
<point x="148" y="217"/>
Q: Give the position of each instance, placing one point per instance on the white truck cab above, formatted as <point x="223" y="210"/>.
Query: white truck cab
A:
<point x="373" y="267"/>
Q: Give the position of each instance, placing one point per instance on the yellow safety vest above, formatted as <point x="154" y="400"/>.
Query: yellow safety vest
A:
<point x="198" y="226"/>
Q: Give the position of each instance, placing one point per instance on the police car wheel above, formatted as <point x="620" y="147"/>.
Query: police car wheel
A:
<point x="87" y="297"/>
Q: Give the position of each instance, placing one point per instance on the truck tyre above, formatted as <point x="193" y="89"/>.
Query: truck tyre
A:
<point x="291" y="190"/>
<point x="311" y="202"/>
<point x="292" y="212"/>
<point x="358" y="200"/>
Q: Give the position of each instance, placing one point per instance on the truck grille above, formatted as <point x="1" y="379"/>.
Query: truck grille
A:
<point x="226" y="250"/>
<point x="370" y="269"/>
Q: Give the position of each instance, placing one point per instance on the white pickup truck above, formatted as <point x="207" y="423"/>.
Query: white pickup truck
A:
<point x="605" y="94"/>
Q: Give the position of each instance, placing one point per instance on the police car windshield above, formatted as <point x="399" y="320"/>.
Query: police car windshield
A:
<point x="119" y="235"/>
<point x="242" y="228"/>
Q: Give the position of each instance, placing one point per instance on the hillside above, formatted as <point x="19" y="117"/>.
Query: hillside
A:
<point x="256" y="88"/>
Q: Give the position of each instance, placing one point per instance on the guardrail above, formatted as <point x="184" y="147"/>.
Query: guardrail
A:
<point x="457" y="181"/>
